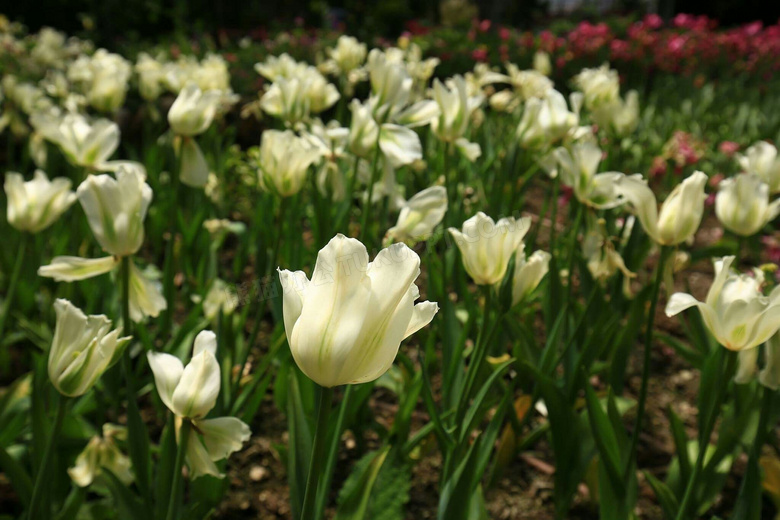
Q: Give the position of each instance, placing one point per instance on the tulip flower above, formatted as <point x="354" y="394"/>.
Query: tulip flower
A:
<point x="578" y="168"/>
<point x="190" y="115"/>
<point x="84" y="143"/>
<point x="82" y="349"/>
<point x="103" y="77"/>
<point x="35" y="205"/>
<point x="600" y="85"/>
<point x="736" y="312"/>
<point x="762" y="159"/>
<point x="599" y="251"/>
<point x="526" y="84"/>
<point x="420" y="215"/>
<point x="150" y="74"/>
<point x="547" y="120"/>
<point x="102" y="452"/>
<point x="294" y="99"/>
<point x="529" y="271"/>
<point x="348" y="54"/>
<point x="742" y="204"/>
<point x="620" y="116"/>
<point x="487" y="246"/>
<point x="455" y="110"/>
<point x="542" y="63"/>
<point x="680" y="215"/>
<point x="283" y="161"/>
<point x="190" y="393"/>
<point x="346" y="324"/>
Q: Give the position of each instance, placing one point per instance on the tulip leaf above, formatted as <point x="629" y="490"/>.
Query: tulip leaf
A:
<point x="606" y="442"/>
<point x="665" y="496"/>
<point x="129" y="505"/>
<point x="20" y="479"/>
<point x="353" y="505"/>
<point x="680" y="444"/>
<point x="300" y="443"/>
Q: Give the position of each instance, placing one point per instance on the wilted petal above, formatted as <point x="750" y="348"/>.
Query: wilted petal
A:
<point x="73" y="268"/>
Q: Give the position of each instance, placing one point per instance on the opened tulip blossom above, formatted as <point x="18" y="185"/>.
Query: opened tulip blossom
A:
<point x="742" y="204"/>
<point x="82" y="349"/>
<point x="736" y="312"/>
<point x="762" y="159"/>
<point x="190" y="115"/>
<point x="345" y="325"/>
<point x="680" y="215"/>
<point x="85" y="143"/>
<point x="547" y="120"/>
<point x="487" y="246"/>
<point x="190" y="393"/>
<point x="283" y="161"/>
<point x="35" y="205"/>
<point x="455" y="110"/>
<point x="102" y="452"/>
<point x="529" y="271"/>
<point x="420" y="215"/>
<point x="577" y="169"/>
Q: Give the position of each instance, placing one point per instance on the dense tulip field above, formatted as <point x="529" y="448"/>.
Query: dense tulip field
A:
<point x="460" y="275"/>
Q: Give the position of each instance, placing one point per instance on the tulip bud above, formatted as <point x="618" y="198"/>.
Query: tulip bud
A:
<point x="487" y="246"/>
<point x="542" y="63"/>
<point x="529" y="271"/>
<point x="600" y="85"/>
<point x="35" y="205"/>
<point x="420" y="215"/>
<point x="193" y="111"/>
<point x="345" y="325"/>
<point x="742" y="204"/>
<point x="82" y="349"/>
<point x="283" y="162"/>
<point x="116" y="209"/>
<point x="736" y="312"/>
<point x="680" y="214"/>
<point x="762" y="159"/>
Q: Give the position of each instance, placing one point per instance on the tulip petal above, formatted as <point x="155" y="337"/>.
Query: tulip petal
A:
<point x="223" y="436"/>
<point x="680" y="302"/>
<point x="198" y="459"/>
<point x="422" y="315"/>
<point x="194" y="170"/>
<point x="146" y="298"/>
<point x="746" y="365"/>
<point x="293" y="285"/>
<point x="205" y="340"/>
<point x="167" y="370"/>
<point x="198" y="388"/>
<point x="636" y="191"/>
<point x="400" y="145"/>
<point x="73" y="268"/>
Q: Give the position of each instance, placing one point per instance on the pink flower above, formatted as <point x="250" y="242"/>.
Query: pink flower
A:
<point x="728" y="147"/>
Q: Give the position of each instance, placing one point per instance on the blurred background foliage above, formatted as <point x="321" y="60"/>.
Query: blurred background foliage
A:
<point x="109" y="21"/>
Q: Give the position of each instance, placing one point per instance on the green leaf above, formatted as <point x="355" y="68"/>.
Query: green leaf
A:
<point x="300" y="445"/>
<point x="353" y="504"/>
<point x="19" y="478"/>
<point x="606" y="442"/>
<point x="680" y="444"/>
<point x="665" y="496"/>
<point x="129" y="505"/>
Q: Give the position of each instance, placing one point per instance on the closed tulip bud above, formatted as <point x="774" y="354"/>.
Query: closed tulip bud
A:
<point x="487" y="246"/>
<point x="529" y="271"/>
<point x="116" y="209"/>
<point x="86" y="144"/>
<point x="102" y="452"/>
<point x="190" y="393"/>
<point x="82" y="349"/>
<point x="762" y="159"/>
<point x="194" y="110"/>
<point x="34" y="205"/>
<point x="345" y="325"/>
<point x="284" y="161"/>
<point x="742" y="204"/>
<point x="736" y="312"/>
<point x="680" y="215"/>
<point x="542" y="63"/>
<point x="420" y="215"/>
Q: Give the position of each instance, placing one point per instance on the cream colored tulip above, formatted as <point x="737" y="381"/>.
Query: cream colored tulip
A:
<point x="529" y="272"/>
<point x="742" y="204"/>
<point x="600" y="85"/>
<point x="345" y="326"/>
<point x="577" y="169"/>
<point x="284" y="161"/>
<point x="84" y="143"/>
<point x="102" y="452"/>
<point x="542" y="63"/>
<point x="34" y="205"/>
<point x="194" y="110"/>
<point x="736" y="312"/>
<point x="487" y="246"/>
<point x="82" y="349"/>
<point x="762" y="159"/>
<point x="680" y="215"/>
<point x="116" y="209"/>
<point x="545" y="121"/>
<point x="420" y="215"/>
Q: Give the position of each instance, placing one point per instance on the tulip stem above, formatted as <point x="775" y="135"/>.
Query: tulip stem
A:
<point x="36" y="503"/>
<point x="9" y="298"/>
<point x="648" y="345"/>
<point x="477" y="356"/>
<point x="317" y="455"/>
<point x="706" y="431"/>
<point x="333" y="449"/>
<point x="369" y="202"/>
<point x="181" y="449"/>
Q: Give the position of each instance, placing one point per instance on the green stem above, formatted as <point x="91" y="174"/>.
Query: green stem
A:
<point x="9" y="297"/>
<point x="369" y="202"/>
<point x="477" y="357"/>
<point x="124" y="273"/>
<point x="181" y="449"/>
<point x="450" y="186"/>
<point x="706" y="433"/>
<point x="640" y="410"/>
<point x="170" y="264"/>
<point x="43" y="475"/>
<point x="333" y="448"/>
<point x="309" y="511"/>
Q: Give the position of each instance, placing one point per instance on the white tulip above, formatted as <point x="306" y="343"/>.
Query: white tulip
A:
<point x="420" y="215"/>
<point x="151" y="74"/>
<point x="348" y="54"/>
<point x="742" y="204"/>
<point x="736" y="312"/>
<point x="345" y="325"/>
<point x="84" y="143"/>
<point x="194" y="110"/>
<point x="455" y="108"/>
<point x="102" y="452"/>
<point x="600" y="85"/>
<point x="578" y="167"/>
<point x="487" y="246"/>
<point x="190" y="393"/>
<point x="104" y="78"/>
<point x="542" y="63"/>
<point x="762" y="159"/>
<point x="680" y="215"/>
<point x="116" y="209"/>
<point x="284" y="160"/>
<point x="35" y="205"/>
<point x="546" y="120"/>
<point x="82" y="349"/>
<point x="529" y="271"/>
